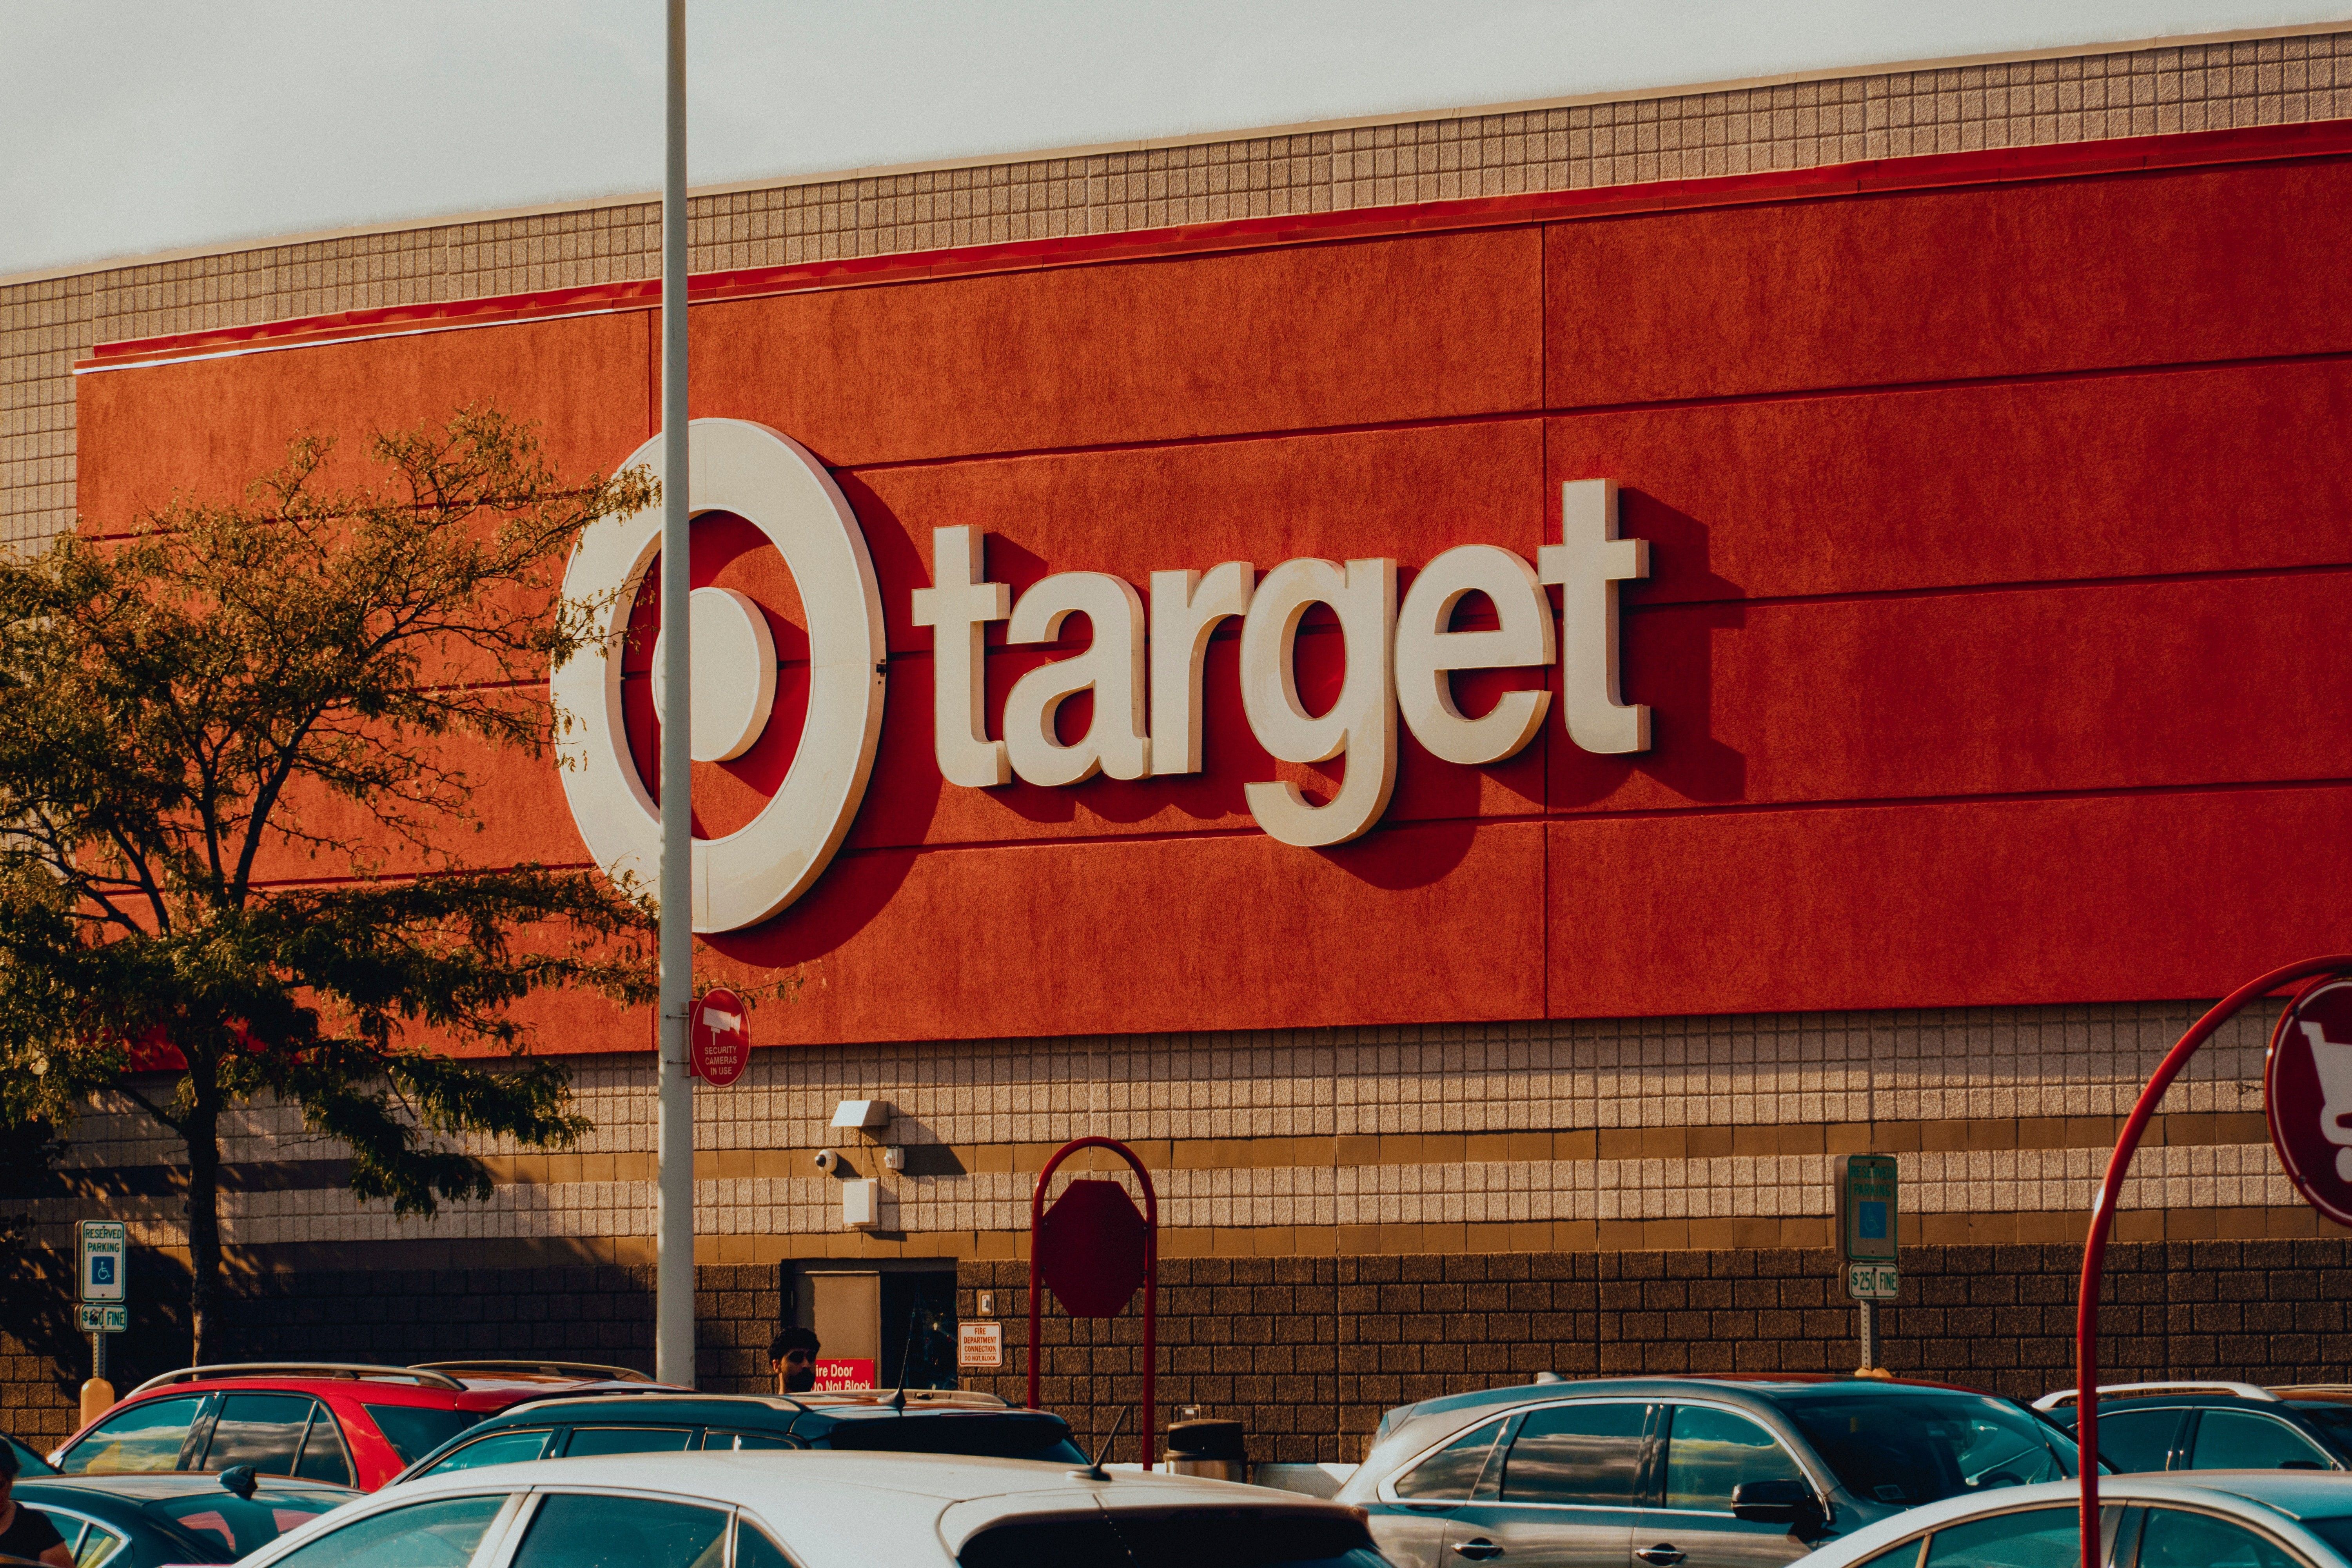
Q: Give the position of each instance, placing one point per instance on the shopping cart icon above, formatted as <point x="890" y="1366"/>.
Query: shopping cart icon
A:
<point x="2334" y="1062"/>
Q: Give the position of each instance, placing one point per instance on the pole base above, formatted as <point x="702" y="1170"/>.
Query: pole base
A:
<point x="97" y="1399"/>
<point x="1873" y="1371"/>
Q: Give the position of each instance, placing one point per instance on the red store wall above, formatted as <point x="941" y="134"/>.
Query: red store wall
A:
<point x="2001" y="511"/>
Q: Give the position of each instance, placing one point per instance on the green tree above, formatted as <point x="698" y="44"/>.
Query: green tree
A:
<point x="183" y="708"/>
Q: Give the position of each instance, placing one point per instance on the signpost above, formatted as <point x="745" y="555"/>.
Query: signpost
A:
<point x="101" y="1286"/>
<point x="1092" y="1249"/>
<point x="1867" y="1209"/>
<point x="718" y="1038"/>
<point x="2306" y="1096"/>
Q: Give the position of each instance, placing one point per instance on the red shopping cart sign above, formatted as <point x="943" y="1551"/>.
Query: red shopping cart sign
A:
<point x="2307" y="1095"/>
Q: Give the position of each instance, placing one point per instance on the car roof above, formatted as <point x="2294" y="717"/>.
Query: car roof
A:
<point x="589" y="1409"/>
<point x="151" y="1487"/>
<point x="860" y="1506"/>
<point x="2298" y="1495"/>
<point x="599" y="1407"/>
<point x="753" y="1477"/>
<point x="1759" y="1388"/>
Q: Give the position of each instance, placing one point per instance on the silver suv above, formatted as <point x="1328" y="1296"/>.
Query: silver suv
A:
<point x="1683" y="1472"/>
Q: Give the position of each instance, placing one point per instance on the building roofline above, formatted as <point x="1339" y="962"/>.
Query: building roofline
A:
<point x="1100" y="149"/>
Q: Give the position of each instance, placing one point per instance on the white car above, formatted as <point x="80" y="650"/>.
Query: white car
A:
<point x="764" y="1508"/>
<point x="2221" y="1519"/>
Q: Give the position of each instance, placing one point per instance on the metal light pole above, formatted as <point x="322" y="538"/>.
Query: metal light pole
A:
<point x="674" y="1214"/>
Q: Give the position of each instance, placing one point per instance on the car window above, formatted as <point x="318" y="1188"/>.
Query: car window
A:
<point x="2036" y="1538"/>
<point x="97" y="1545"/>
<point x="236" y="1525"/>
<point x="90" y="1543"/>
<point x="1712" y="1453"/>
<point x="572" y="1530"/>
<point x="1180" y="1538"/>
<point x="2176" y="1538"/>
<point x="754" y="1549"/>
<point x="1587" y="1453"/>
<point x="1023" y="1434"/>
<point x="750" y="1440"/>
<point x="2242" y="1440"/>
<point x="512" y="1446"/>
<point x="1919" y="1445"/>
<point x="264" y="1430"/>
<point x="143" y="1438"/>
<point x="442" y="1534"/>
<point x="29" y="1463"/>
<point x="2138" y="1439"/>
<point x="587" y="1440"/>
<point x="416" y="1430"/>
<point x="1903" y="1556"/>
<point x="1452" y="1472"/>
<point x="2334" y="1420"/>
<point x="324" y="1458"/>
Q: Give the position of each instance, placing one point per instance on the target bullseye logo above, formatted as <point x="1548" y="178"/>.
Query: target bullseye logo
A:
<point x="751" y="874"/>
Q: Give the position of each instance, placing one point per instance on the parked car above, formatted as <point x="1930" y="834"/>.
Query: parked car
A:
<point x="2217" y="1425"/>
<point x="2218" y="1518"/>
<point x="146" y="1522"/>
<point x="1699" y="1472"/>
<point x="578" y="1424"/>
<point x="769" y="1510"/>
<point x="346" y="1425"/>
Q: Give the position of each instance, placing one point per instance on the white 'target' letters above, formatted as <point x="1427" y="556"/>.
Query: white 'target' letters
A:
<point x="1427" y="651"/>
<point x="1185" y="608"/>
<point x="1115" y="740"/>
<point x="1587" y="564"/>
<point x="1363" y="721"/>
<point x="958" y="607"/>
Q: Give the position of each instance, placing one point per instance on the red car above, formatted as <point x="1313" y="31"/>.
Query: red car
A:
<point x="353" y="1426"/>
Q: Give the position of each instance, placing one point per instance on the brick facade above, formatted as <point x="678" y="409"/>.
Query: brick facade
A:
<point x="1307" y="1352"/>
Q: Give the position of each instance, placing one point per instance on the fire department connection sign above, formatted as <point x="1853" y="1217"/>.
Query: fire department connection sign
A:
<point x="2307" y="1095"/>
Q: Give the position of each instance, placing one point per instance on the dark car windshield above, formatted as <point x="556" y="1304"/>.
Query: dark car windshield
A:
<point x="1918" y="1446"/>
<point x="416" y="1430"/>
<point x="227" y="1526"/>
<point x="2334" y="1421"/>
<point x="983" y="1436"/>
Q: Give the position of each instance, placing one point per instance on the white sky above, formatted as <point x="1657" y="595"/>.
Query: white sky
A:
<point x="133" y="126"/>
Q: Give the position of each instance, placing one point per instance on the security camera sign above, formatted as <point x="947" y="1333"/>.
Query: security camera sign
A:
<point x="2307" y="1096"/>
<point x="720" y="1037"/>
<point x="105" y="1247"/>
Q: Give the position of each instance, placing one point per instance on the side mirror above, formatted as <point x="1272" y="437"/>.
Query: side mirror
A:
<point x="239" y="1479"/>
<point x="1776" y="1502"/>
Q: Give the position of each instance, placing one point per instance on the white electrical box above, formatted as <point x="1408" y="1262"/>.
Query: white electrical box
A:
<point x="861" y="1203"/>
<point x="862" y="1113"/>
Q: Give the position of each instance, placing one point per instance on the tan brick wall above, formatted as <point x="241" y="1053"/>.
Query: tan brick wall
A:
<point x="45" y="324"/>
<point x="1645" y="1135"/>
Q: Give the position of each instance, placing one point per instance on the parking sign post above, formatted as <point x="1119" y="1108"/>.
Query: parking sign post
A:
<point x="1867" y="1209"/>
<point x="102" y="1288"/>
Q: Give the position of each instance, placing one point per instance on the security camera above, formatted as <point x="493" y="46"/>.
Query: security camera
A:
<point x="827" y="1161"/>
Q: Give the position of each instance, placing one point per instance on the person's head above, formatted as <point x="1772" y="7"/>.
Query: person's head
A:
<point x="792" y="1356"/>
<point x="9" y="1465"/>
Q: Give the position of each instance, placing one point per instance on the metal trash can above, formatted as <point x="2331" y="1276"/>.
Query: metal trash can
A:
<point x="1212" y="1448"/>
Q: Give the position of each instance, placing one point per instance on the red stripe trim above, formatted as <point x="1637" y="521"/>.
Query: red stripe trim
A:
<point x="2320" y="138"/>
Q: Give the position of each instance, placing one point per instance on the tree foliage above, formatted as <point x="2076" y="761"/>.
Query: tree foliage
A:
<point x="214" y="734"/>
